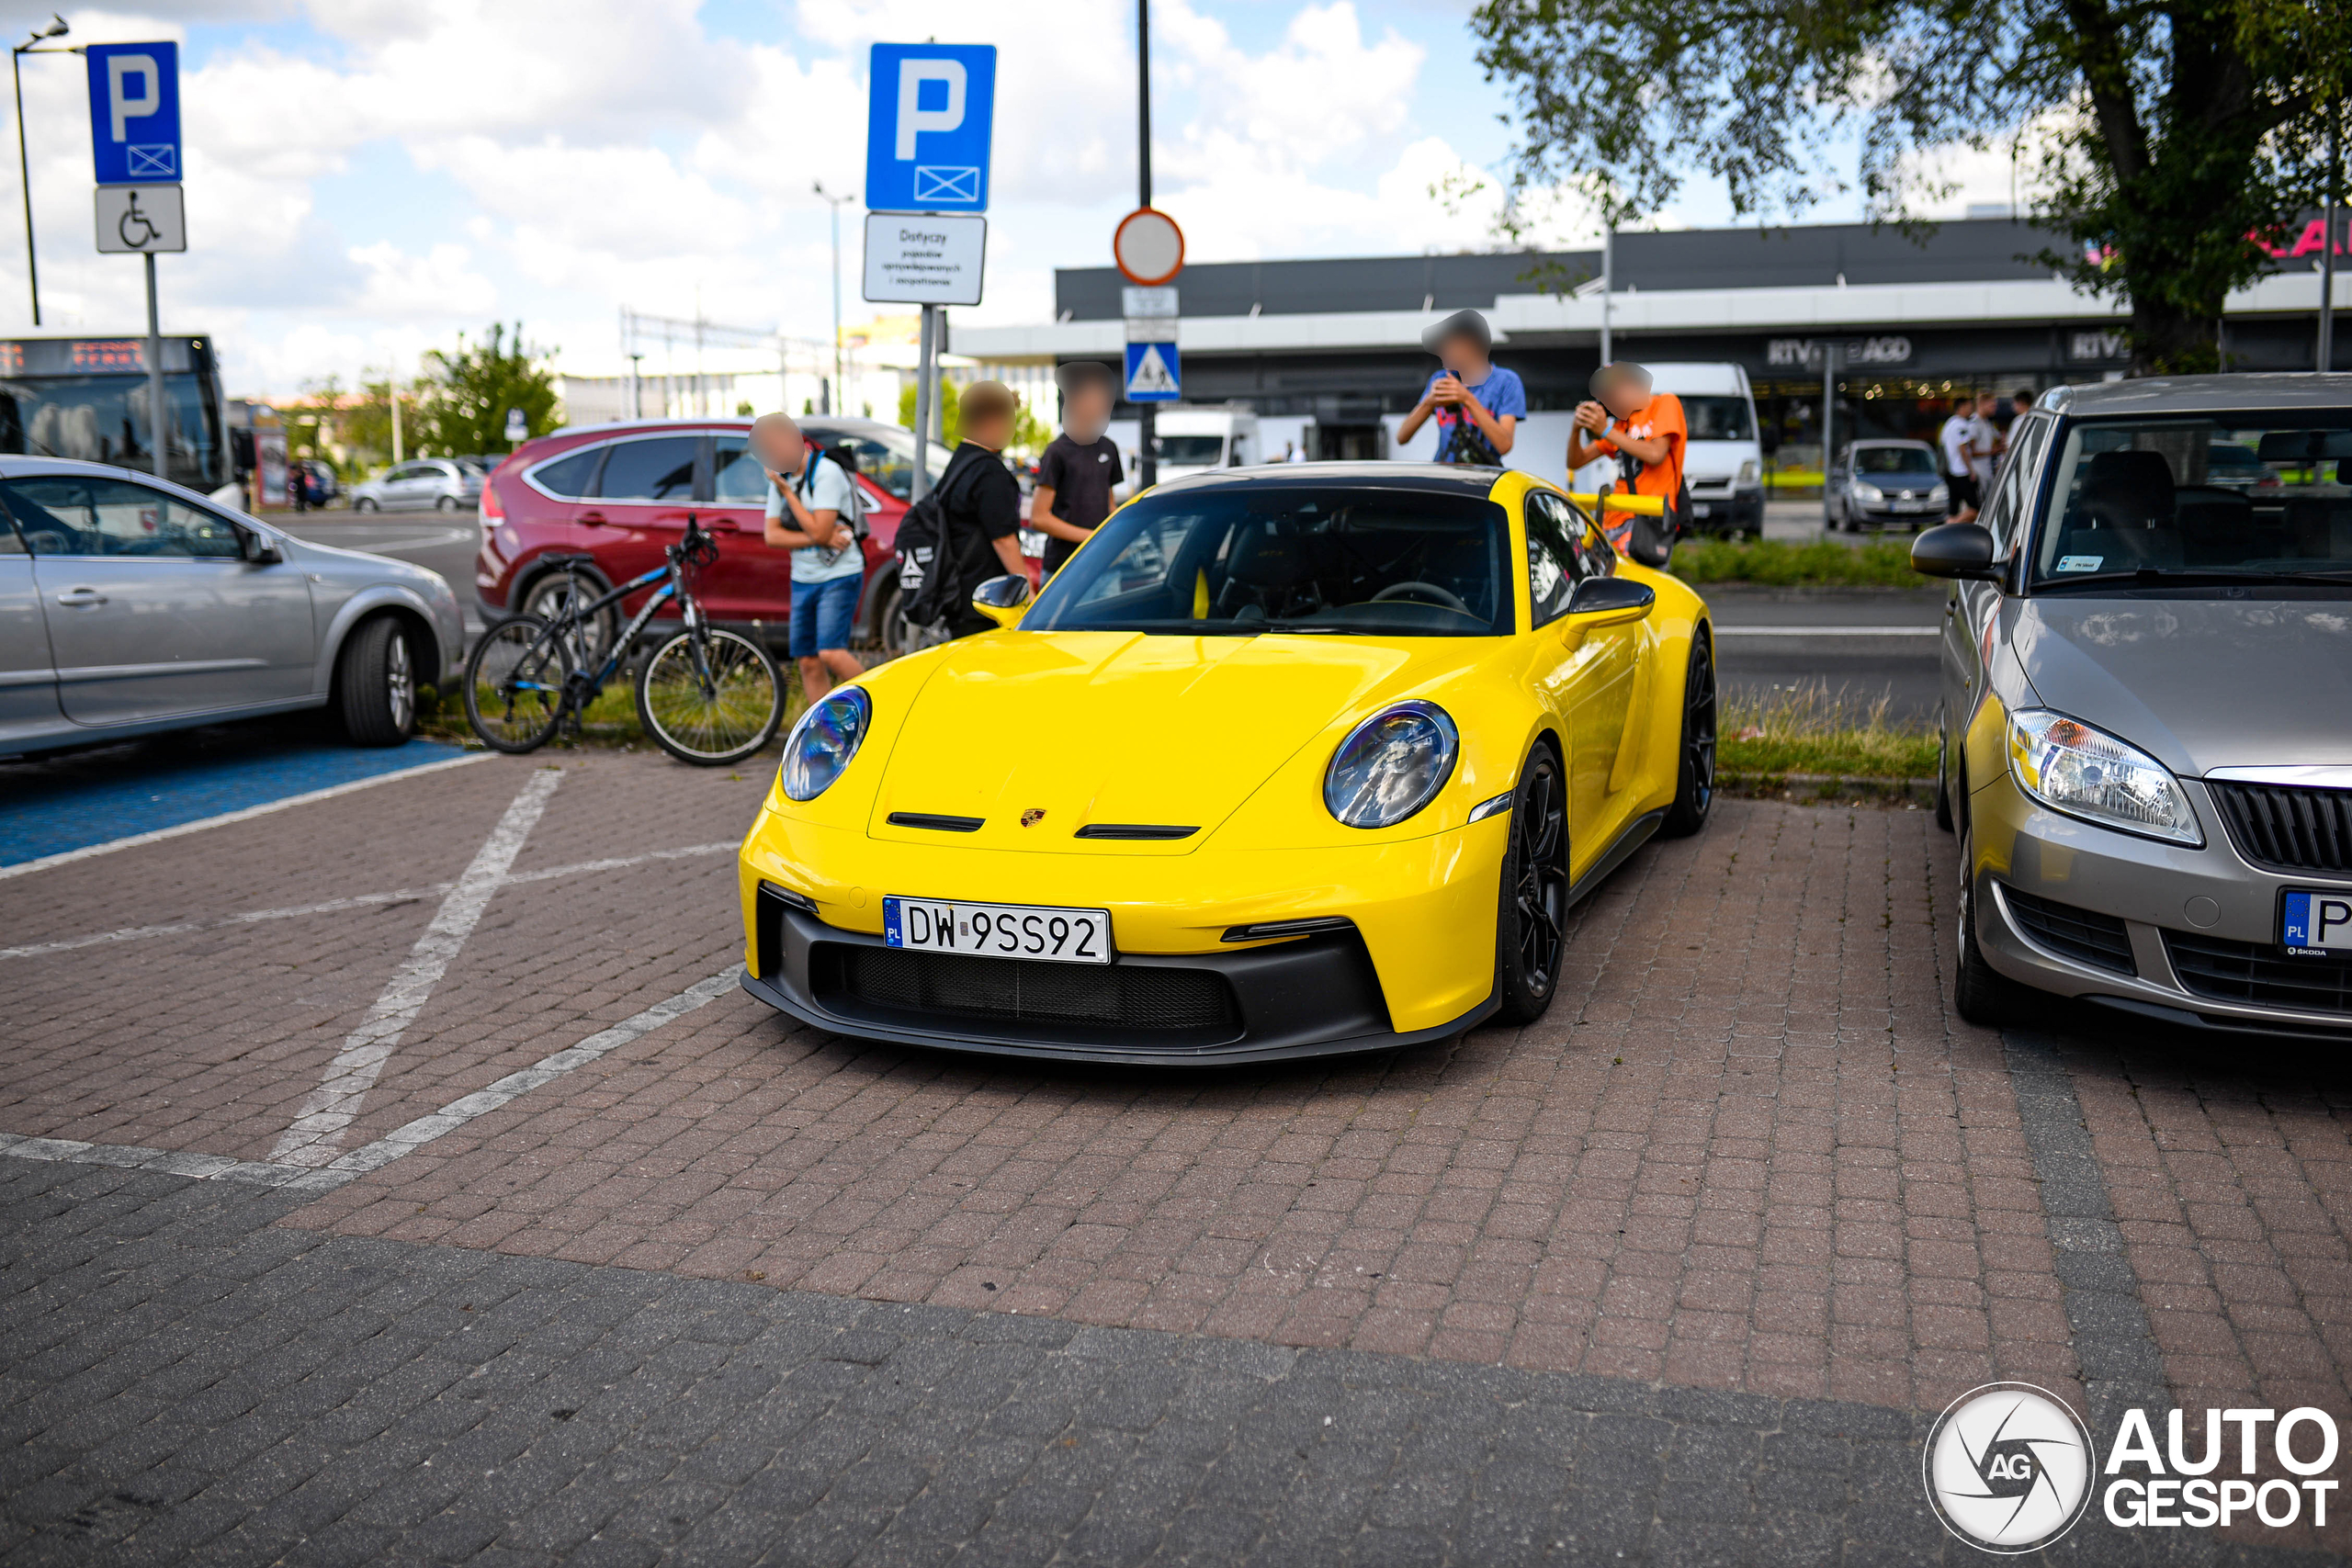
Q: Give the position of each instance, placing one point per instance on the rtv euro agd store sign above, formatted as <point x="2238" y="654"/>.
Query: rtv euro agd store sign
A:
<point x="2010" y="1468"/>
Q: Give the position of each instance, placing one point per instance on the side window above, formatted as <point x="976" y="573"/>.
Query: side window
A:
<point x="2005" y="512"/>
<point x="1553" y="564"/>
<point x="70" y="516"/>
<point x="892" y="470"/>
<point x="571" y="476"/>
<point x="737" y="478"/>
<point x="10" y="543"/>
<point x="660" y="467"/>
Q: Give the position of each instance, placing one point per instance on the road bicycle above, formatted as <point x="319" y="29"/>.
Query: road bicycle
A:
<point x="707" y="696"/>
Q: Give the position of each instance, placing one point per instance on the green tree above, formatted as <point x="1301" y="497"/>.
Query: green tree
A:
<point x="2176" y="138"/>
<point x="1030" y="434"/>
<point x="951" y="424"/>
<point x="465" y="393"/>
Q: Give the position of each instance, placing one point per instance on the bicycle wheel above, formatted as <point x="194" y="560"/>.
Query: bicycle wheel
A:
<point x="515" y="684"/>
<point x="710" y="704"/>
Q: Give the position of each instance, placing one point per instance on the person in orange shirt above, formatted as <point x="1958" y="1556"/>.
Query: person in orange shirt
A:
<point x="1643" y="429"/>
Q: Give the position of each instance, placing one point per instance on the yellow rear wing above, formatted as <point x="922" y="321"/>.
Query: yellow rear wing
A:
<point x="1640" y="505"/>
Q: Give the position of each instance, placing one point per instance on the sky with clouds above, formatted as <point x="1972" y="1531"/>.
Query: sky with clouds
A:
<point x="367" y="178"/>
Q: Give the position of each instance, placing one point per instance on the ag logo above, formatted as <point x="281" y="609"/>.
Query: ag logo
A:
<point x="2008" y="1467"/>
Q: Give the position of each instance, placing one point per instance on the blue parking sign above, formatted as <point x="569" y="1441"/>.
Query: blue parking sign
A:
<point x="135" y="112"/>
<point x="929" y="110"/>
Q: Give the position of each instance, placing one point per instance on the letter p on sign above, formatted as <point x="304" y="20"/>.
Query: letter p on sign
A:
<point x="913" y="119"/>
<point x="121" y="107"/>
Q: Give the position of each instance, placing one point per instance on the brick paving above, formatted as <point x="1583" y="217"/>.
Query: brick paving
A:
<point x="1748" y="1153"/>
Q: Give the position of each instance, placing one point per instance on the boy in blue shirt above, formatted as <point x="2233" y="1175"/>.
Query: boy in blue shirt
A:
<point x="1478" y="403"/>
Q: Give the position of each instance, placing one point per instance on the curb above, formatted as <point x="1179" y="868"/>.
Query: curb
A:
<point x="1813" y="788"/>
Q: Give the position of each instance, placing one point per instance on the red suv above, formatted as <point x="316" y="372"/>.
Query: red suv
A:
<point x="621" y="493"/>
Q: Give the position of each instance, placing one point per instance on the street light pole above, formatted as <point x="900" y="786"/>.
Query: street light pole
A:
<point x="1147" y="415"/>
<point x="56" y="29"/>
<point x="840" y="394"/>
<point x="2327" y="247"/>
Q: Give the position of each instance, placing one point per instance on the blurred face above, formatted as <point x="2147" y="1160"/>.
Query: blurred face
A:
<point x="779" y="447"/>
<point x="994" y="431"/>
<point x="1624" y="396"/>
<point x="1986" y="404"/>
<point x="1462" y="354"/>
<point x="1086" y="411"/>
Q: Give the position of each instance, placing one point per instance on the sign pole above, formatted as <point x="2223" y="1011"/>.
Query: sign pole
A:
<point x="923" y="384"/>
<point x="1148" y="417"/>
<point x="155" y="374"/>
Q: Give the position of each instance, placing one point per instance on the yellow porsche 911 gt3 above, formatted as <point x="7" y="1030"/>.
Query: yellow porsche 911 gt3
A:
<point x="1284" y="761"/>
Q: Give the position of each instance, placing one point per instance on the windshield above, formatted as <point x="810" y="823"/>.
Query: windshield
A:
<point x="1718" y="418"/>
<point x="1191" y="451"/>
<point x="1894" y="460"/>
<point x="1237" y="560"/>
<point x="2233" y="497"/>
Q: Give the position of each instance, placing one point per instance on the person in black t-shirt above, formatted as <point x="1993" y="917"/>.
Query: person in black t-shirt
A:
<point x="981" y="501"/>
<point x="1075" y="476"/>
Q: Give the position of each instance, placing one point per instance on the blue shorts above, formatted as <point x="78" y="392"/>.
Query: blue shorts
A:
<point x="821" y="614"/>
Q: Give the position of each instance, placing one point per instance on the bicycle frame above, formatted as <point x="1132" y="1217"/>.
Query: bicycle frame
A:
<point x="667" y="576"/>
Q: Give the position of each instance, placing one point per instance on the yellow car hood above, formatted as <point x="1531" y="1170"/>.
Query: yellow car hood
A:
<point x="1117" y="727"/>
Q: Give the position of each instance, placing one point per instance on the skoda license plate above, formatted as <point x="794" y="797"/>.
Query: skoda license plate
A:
<point x="2315" y="925"/>
<point x="998" y="930"/>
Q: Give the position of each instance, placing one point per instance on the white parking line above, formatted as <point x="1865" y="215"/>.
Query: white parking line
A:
<point x="1828" y="631"/>
<point x="330" y="1107"/>
<point x="66" y="857"/>
<point x="400" y="1140"/>
<point x="356" y="901"/>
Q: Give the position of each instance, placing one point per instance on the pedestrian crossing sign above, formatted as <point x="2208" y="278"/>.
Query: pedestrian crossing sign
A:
<point x="1153" y="374"/>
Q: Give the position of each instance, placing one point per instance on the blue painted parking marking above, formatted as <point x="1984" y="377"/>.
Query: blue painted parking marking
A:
<point x="55" y="808"/>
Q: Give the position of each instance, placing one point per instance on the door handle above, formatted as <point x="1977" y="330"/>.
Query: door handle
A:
<point x="723" y="525"/>
<point x="81" y="598"/>
<point x="592" y="519"/>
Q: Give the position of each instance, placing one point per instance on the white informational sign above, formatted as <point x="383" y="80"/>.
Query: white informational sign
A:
<point x="141" y="219"/>
<point x="1150" y="314"/>
<point x="924" y="260"/>
<point x="518" y="429"/>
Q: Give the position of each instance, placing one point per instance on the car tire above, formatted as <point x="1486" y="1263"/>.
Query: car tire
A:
<point x="1943" y="774"/>
<point x="1532" y="915"/>
<point x="447" y="503"/>
<point x="375" y="689"/>
<point x="1980" y="993"/>
<point x="1694" y="768"/>
<point x="365" y="503"/>
<point x="545" y="596"/>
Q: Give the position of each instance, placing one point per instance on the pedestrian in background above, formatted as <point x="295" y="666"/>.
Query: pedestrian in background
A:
<point x="1645" y="430"/>
<point x="812" y="511"/>
<point x="1953" y="441"/>
<point x="1984" y="445"/>
<point x="1477" y="404"/>
<point x="1080" y="465"/>
<point x="980" y="503"/>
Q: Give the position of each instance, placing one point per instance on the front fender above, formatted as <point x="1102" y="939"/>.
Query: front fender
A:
<point x="447" y="631"/>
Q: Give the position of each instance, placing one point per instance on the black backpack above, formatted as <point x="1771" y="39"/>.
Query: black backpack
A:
<point x="926" y="557"/>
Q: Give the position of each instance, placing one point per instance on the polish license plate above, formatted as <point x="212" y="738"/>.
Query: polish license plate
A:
<point x="1700" y="509"/>
<point x="998" y="930"/>
<point x="2314" y="924"/>
<point x="1911" y="506"/>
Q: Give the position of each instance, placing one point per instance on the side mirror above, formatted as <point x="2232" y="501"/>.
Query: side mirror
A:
<point x="1002" y="599"/>
<point x="259" y="549"/>
<point x="1609" y="602"/>
<point x="1955" y="550"/>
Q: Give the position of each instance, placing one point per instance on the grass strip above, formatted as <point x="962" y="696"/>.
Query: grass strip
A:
<point x="1776" y="563"/>
<point x="1808" y="728"/>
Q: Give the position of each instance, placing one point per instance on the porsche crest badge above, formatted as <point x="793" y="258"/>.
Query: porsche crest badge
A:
<point x="1032" y="816"/>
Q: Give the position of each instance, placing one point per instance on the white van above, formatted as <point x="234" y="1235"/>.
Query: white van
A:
<point x="1723" y="464"/>
<point x="1192" y="440"/>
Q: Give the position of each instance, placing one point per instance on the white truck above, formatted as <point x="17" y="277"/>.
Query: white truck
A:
<point x="1192" y="440"/>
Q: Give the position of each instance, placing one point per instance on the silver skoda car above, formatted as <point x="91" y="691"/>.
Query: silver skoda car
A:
<point x="2147" y="707"/>
<point x="128" y="605"/>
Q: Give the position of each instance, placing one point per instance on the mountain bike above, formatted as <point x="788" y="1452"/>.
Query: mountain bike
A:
<point x="706" y="696"/>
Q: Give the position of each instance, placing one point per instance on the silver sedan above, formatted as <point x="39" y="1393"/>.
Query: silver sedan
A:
<point x="129" y="605"/>
<point x="420" y="484"/>
<point x="2147" y="683"/>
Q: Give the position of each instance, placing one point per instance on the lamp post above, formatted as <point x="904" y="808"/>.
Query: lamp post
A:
<point x="56" y="29"/>
<point x="1146" y="414"/>
<point x="840" y="393"/>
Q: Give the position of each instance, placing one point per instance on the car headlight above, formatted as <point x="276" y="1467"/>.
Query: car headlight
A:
<point x="1391" y="765"/>
<point x="1940" y="491"/>
<point x="823" y="742"/>
<point x="1751" y="472"/>
<point x="1868" y="494"/>
<point x="2067" y="765"/>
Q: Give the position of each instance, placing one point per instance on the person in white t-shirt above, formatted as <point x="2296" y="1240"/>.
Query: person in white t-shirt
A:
<point x="1957" y="435"/>
<point x="809" y="512"/>
<point x="1984" y="445"/>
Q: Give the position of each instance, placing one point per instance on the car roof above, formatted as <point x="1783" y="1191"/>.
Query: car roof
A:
<point x="1894" y="441"/>
<point x="2281" y="390"/>
<point x="1454" y="478"/>
<point x="843" y="421"/>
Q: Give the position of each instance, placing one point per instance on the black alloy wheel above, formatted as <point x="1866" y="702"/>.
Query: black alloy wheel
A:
<point x="1531" y="927"/>
<point x="1694" y="778"/>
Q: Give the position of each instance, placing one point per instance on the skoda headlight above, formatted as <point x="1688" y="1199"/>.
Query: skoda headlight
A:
<point x="1391" y="765"/>
<point x="2067" y="765"/>
<point x="1868" y="493"/>
<point x="823" y="741"/>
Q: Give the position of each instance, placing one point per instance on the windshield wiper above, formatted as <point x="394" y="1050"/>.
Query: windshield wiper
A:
<point x="2157" y="577"/>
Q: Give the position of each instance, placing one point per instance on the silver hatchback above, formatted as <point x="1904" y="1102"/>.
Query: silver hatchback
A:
<point x="420" y="484"/>
<point x="129" y="605"/>
<point x="2147" y="712"/>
